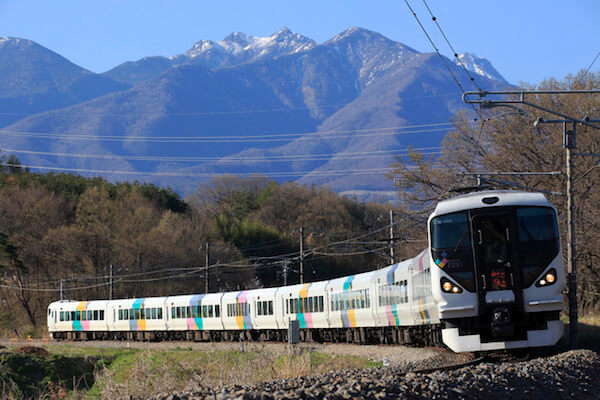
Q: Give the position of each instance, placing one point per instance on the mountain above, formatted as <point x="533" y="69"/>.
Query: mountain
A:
<point x="480" y="66"/>
<point x="331" y="114"/>
<point x="235" y="49"/>
<point x="34" y="79"/>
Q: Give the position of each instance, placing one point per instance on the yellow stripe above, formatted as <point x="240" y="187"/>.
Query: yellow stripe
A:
<point x="81" y="306"/>
<point x="422" y="310"/>
<point x="304" y="291"/>
<point x="352" y="318"/>
<point x="240" y="322"/>
<point x="142" y="324"/>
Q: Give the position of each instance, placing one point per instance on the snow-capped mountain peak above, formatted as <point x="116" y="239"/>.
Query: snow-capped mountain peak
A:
<point x="480" y="66"/>
<point x="245" y="47"/>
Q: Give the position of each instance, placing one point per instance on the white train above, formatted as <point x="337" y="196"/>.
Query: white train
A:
<point x="491" y="278"/>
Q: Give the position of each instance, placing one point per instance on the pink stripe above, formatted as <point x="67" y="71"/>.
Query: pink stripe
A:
<point x="308" y="320"/>
<point x="390" y="316"/>
<point x="191" y="324"/>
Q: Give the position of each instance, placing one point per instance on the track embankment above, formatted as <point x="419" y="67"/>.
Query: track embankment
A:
<point x="569" y="375"/>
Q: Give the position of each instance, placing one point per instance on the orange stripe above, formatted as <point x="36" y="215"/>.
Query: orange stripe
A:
<point x="352" y="318"/>
<point x="304" y="291"/>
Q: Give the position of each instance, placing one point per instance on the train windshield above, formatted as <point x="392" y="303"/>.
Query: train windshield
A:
<point x="451" y="247"/>
<point x="538" y="241"/>
<point x="450" y="231"/>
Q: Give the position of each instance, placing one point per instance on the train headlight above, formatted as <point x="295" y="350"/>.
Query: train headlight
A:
<point x="450" y="287"/>
<point x="548" y="279"/>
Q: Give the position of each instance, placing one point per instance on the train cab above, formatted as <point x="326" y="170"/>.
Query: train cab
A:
<point x="497" y="273"/>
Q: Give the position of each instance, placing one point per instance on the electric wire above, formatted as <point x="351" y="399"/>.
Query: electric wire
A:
<point x="366" y="171"/>
<point x="274" y="158"/>
<point x="441" y="57"/>
<point x="306" y="136"/>
<point x="434" y="19"/>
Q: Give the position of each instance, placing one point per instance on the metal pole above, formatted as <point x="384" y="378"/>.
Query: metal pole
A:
<point x="392" y="257"/>
<point x="285" y="272"/>
<point x="569" y="139"/>
<point x="301" y="254"/>
<point x="207" y="262"/>
<point x="62" y="297"/>
<point x="110" y="292"/>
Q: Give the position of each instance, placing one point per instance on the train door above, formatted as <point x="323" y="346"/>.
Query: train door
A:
<point x="497" y="268"/>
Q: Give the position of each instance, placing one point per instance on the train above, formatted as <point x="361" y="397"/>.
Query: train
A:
<point x="491" y="278"/>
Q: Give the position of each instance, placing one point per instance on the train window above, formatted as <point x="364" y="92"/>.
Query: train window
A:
<point x="173" y="313"/>
<point x="204" y="311"/>
<point x="189" y="312"/>
<point x="126" y="314"/>
<point x="538" y="241"/>
<point x="159" y="313"/>
<point x="120" y="315"/>
<point x="217" y="311"/>
<point x="101" y="315"/>
<point x="62" y="315"/>
<point x="84" y="315"/>
<point x="450" y="231"/>
<point x="321" y="305"/>
<point x="178" y="312"/>
<point x="153" y="313"/>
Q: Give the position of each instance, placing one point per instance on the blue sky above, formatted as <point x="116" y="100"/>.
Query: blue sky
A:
<point x="526" y="40"/>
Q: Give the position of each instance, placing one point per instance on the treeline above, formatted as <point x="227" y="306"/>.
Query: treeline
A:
<point x="62" y="227"/>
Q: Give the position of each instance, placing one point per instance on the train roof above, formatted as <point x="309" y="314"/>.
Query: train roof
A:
<point x="476" y="200"/>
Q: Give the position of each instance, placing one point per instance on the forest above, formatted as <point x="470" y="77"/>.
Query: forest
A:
<point x="87" y="238"/>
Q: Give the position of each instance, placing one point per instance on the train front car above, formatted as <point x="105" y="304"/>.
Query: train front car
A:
<point x="500" y="275"/>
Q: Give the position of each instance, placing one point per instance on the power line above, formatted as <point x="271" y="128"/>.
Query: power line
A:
<point x="440" y="55"/>
<point x="367" y="171"/>
<point x="204" y="113"/>
<point x="434" y="19"/>
<point x="274" y="158"/>
<point x="588" y="69"/>
<point x="306" y="136"/>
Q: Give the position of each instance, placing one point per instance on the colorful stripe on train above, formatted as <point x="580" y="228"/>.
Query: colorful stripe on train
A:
<point x="348" y="316"/>
<point x="197" y="322"/>
<point x="304" y="318"/>
<point x="243" y="321"/>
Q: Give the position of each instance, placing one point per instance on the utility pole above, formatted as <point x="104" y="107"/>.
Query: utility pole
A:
<point x="285" y="263"/>
<point x="207" y="262"/>
<point x="569" y="144"/>
<point x="62" y="297"/>
<point x="110" y="280"/>
<point x="571" y="262"/>
<point x="301" y="254"/>
<point x="392" y="257"/>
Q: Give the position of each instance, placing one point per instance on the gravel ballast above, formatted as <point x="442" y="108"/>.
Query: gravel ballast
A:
<point x="570" y="375"/>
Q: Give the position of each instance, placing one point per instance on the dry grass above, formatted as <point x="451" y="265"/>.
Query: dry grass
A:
<point x="151" y="372"/>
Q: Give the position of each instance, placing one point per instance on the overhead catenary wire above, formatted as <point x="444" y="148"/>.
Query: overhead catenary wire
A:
<point x="462" y="64"/>
<point x="440" y="56"/>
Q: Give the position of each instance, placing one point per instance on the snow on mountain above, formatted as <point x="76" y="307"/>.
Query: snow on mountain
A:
<point x="243" y="47"/>
<point x="480" y="66"/>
